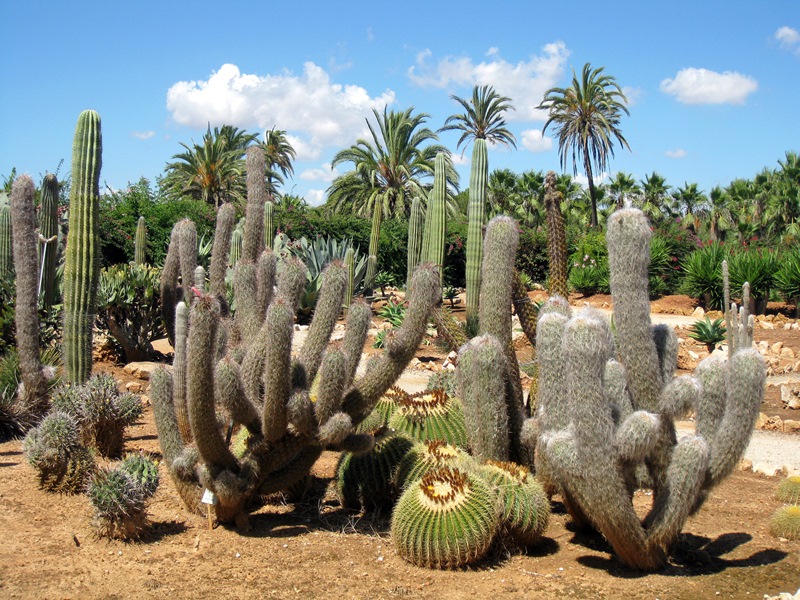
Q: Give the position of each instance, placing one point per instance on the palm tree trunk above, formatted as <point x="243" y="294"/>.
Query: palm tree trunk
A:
<point x="587" y="163"/>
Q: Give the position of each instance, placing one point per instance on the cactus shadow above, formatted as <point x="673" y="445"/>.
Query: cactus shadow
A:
<point x="160" y="530"/>
<point x="693" y="556"/>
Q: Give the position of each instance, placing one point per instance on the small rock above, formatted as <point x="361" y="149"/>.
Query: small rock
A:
<point x="794" y="404"/>
<point x="790" y="425"/>
<point x="699" y="313"/>
<point x="776" y="348"/>
<point x="763" y="347"/>
<point x="745" y="464"/>
<point x="143" y="369"/>
<point x="787" y="353"/>
<point x="694" y="355"/>
<point x="134" y="387"/>
<point x="766" y="469"/>
<point x="767" y="325"/>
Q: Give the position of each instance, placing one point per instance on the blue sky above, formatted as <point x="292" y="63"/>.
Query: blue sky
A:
<point x="714" y="87"/>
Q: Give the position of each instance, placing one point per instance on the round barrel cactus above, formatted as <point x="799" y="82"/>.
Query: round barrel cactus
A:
<point x="431" y="415"/>
<point x="430" y="455"/>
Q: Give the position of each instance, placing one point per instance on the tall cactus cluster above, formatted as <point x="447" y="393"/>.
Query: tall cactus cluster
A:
<point x="478" y="186"/>
<point x="607" y="405"/>
<point x="82" y="267"/>
<point x="247" y="365"/>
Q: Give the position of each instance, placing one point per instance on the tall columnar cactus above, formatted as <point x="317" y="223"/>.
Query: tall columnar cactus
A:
<point x="236" y="247"/>
<point x="350" y="263"/>
<point x="33" y="391"/>
<point x="263" y="388"/>
<point x="556" y="237"/>
<point x="415" y="223"/>
<point x="374" y="239"/>
<point x="599" y="420"/>
<point x="478" y="186"/>
<point x="269" y="223"/>
<point x="6" y="251"/>
<point x="140" y="242"/>
<point x="436" y="215"/>
<point x="48" y="230"/>
<point x="253" y="240"/>
<point x="82" y="268"/>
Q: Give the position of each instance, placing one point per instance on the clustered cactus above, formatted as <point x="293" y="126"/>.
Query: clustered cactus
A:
<point x="119" y="497"/>
<point x="101" y="411"/>
<point x="54" y="450"/>
<point x="246" y="365"/>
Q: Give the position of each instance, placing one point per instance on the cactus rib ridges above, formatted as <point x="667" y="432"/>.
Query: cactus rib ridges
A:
<point x="789" y="490"/>
<point x="431" y="415"/>
<point x="82" y="267"/>
<point x="430" y="455"/>
<point x="48" y="229"/>
<point x="476" y="209"/>
<point x="446" y="520"/>
<point x="140" y="242"/>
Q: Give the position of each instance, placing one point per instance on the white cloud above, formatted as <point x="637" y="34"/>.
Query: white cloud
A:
<point x="788" y="38"/>
<point x="143" y="135"/>
<point x="533" y="140"/>
<point x="322" y="174"/>
<point x="370" y="34"/>
<point x="701" y="86"/>
<point x="321" y="112"/>
<point x="676" y="153"/>
<point x="315" y="197"/>
<point x="632" y="94"/>
<point x="524" y="82"/>
<point x="493" y="51"/>
<point x="583" y="181"/>
<point x="461" y="159"/>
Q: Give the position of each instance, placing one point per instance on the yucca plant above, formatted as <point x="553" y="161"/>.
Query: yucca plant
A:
<point x="787" y="279"/>
<point x="708" y="332"/>
<point x="757" y="267"/>
<point x="703" y="275"/>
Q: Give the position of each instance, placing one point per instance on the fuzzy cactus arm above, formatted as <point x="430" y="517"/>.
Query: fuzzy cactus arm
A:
<point x="23" y="226"/>
<point x="401" y="346"/>
<point x="482" y="395"/>
<point x="356" y="330"/>
<point x="244" y="285"/>
<point x="253" y="241"/>
<point x="169" y="436"/>
<point x="179" y="372"/>
<point x="335" y="430"/>
<point x="524" y="309"/>
<point x="712" y="374"/>
<point x="636" y="436"/>
<point x="292" y="278"/>
<point x="551" y="406"/>
<point x="628" y="240"/>
<point x="300" y="412"/>
<point x="679" y="396"/>
<point x="329" y="305"/>
<point x="331" y="384"/>
<point x="220" y="250"/>
<point x="229" y="389"/>
<point x="265" y="282"/>
<point x="666" y="343"/>
<point x="169" y="283"/>
<point x="448" y="329"/>
<point x="277" y="367"/>
<point x="187" y="255"/>
<point x="616" y="388"/>
<point x="200" y="385"/>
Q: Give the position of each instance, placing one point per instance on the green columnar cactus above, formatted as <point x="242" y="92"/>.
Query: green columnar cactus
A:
<point x="415" y="223"/>
<point x="187" y="233"/>
<point x="32" y="394"/>
<point x="374" y="239"/>
<point x="6" y="251"/>
<point x="445" y="520"/>
<point x="253" y="241"/>
<point x="269" y="223"/>
<point x="600" y="421"/>
<point x="140" y="242"/>
<point x="269" y="393"/>
<point x="349" y="261"/>
<point x="436" y="216"/>
<point x="556" y="238"/>
<point x="82" y="267"/>
<point x="221" y="250"/>
<point x="236" y="247"/>
<point x="48" y="229"/>
<point x="478" y="186"/>
<point x="171" y="292"/>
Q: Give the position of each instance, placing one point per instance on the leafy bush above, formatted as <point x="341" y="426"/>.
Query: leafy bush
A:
<point x="758" y="267"/>
<point x="703" y="275"/>
<point x="787" y="279"/>
<point x="532" y="257"/>
<point x="129" y="307"/>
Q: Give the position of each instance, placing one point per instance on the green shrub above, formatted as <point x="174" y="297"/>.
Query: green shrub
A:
<point x="787" y="279"/>
<point x="532" y="258"/>
<point x="129" y="308"/>
<point x="703" y="275"/>
<point x="758" y="267"/>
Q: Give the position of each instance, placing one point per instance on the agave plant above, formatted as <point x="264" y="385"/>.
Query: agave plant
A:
<point x="703" y="275"/>
<point x="708" y="332"/>
<point x="758" y="267"/>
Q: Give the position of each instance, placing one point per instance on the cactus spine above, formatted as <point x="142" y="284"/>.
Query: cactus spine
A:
<point x="140" y="243"/>
<point x="82" y="268"/>
<point x="475" y="217"/>
<point x="414" y="237"/>
<point x="48" y="230"/>
<point x="6" y="252"/>
<point x="556" y="237"/>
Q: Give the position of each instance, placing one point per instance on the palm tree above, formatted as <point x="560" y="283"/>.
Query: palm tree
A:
<point x="214" y="170"/>
<point x="390" y="167"/>
<point x="586" y="116"/>
<point x="482" y="118"/>
<point x="653" y="200"/>
<point x="279" y="155"/>
<point x="622" y="188"/>
<point x="690" y="201"/>
<point x="719" y="214"/>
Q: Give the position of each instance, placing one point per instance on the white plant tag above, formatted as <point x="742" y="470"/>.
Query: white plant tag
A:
<point x="209" y="497"/>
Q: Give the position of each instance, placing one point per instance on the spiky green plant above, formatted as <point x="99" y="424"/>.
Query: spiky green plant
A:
<point x="53" y="448"/>
<point x="758" y="267"/>
<point x="365" y="481"/>
<point x="789" y="490"/>
<point x="140" y="242"/>
<point x="82" y="267"/>
<point x="48" y="229"/>
<point x="430" y="455"/>
<point x="415" y="224"/>
<point x="6" y="252"/>
<point x="443" y="380"/>
<point x="708" y="332"/>
<point x="436" y="215"/>
<point x="476" y="214"/>
<point x="431" y="415"/>
<point x="703" y="275"/>
<point x="445" y="520"/>
<point x="785" y="522"/>
<point x="144" y="471"/>
<point x="526" y="509"/>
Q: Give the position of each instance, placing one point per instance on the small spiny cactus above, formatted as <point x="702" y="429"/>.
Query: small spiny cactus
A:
<point x="785" y="523"/>
<point x="431" y="415"/>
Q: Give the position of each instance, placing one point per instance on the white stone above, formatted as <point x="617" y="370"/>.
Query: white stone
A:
<point x="699" y="313"/>
<point x="776" y="348"/>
